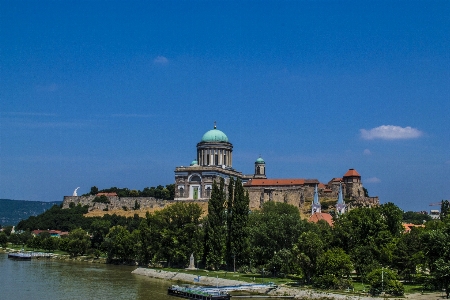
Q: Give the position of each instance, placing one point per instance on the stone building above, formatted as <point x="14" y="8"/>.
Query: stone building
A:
<point x="215" y="159"/>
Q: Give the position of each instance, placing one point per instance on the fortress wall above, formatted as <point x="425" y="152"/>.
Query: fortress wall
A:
<point x="117" y="202"/>
<point x="296" y="196"/>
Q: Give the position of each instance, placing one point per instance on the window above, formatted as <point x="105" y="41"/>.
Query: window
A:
<point x="208" y="192"/>
<point x="195" y="178"/>
<point x="181" y="192"/>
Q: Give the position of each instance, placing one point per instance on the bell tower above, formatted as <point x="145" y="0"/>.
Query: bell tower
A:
<point x="260" y="168"/>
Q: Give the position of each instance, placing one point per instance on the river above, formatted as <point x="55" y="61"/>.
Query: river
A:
<point x="51" y="279"/>
<point x="72" y="280"/>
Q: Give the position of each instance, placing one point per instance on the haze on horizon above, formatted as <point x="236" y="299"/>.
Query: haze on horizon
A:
<point x="115" y="93"/>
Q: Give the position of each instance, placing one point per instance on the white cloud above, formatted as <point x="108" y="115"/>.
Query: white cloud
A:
<point x="372" y="180"/>
<point x="367" y="152"/>
<point x="390" y="132"/>
<point x="161" y="60"/>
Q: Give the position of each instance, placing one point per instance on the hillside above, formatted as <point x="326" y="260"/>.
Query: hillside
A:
<point x="13" y="211"/>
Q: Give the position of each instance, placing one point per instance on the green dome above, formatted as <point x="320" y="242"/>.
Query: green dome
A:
<point x="260" y="161"/>
<point x="214" y="135"/>
<point x="194" y="162"/>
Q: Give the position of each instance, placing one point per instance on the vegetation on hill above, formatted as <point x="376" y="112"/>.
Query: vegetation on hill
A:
<point x="159" y="192"/>
<point x="13" y="211"/>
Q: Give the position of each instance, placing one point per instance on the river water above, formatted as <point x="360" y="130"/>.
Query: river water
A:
<point x="57" y="279"/>
<point x="50" y="279"/>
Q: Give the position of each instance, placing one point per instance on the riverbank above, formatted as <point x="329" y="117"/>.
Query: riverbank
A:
<point x="298" y="293"/>
<point x="214" y="281"/>
<point x="63" y="257"/>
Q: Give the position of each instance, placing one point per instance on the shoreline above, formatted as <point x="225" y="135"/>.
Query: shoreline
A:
<point x="214" y="281"/>
<point x="65" y="257"/>
<point x="298" y="293"/>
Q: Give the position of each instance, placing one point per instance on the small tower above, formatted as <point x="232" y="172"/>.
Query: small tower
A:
<point x="260" y="168"/>
<point x="340" y="206"/>
<point x="315" y="208"/>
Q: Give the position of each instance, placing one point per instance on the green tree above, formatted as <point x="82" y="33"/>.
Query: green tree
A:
<point x="229" y="258"/>
<point x="441" y="274"/>
<point x="119" y="244"/>
<point x="415" y="217"/>
<point x="3" y="239"/>
<point x="408" y="255"/>
<point x="239" y="221"/>
<point x="366" y="234"/>
<point x="180" y="233"/>
<point x="94" y="190"/>
<point x="34" y="243"/>
<point x="281" y="263"/>
<point x="215" y="227"/>
<point x="14" y="239"/>
<point x="50" y="243"/>
<point x="385" y="280"/>
<point x="171" y="189"/>
<point x="436" y="245"/>
<point x="78" y="242"/>
<point x="146" y="241"/>
<point x="393" y="216"/>
<point x="334" y="262"/>
<point x="99" y="229"/>
<point x="333" y="270"/>
<point x="275" y="227"/>
<point x="306" y="253"/>
<point x="445" y="209"/>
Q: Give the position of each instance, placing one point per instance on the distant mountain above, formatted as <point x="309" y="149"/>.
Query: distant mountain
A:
<point x="13" y="211"/>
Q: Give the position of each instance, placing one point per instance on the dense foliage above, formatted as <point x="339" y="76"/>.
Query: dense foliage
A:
<point x="273" y="240"/>
<point x="159" y="192"/>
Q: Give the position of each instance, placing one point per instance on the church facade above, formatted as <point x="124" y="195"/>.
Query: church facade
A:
<point x="215" y="159"/>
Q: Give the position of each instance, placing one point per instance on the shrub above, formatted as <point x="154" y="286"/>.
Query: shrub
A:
<point x="101" y="199"/>
<point x="385" y="280"/>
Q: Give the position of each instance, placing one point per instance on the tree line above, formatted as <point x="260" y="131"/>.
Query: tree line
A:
<point x="160" y="192"/>
<point x="365" y="244"/>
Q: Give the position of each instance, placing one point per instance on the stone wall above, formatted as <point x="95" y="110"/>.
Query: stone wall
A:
<point x="117" y="202"/>
<point x="296" y="196"/>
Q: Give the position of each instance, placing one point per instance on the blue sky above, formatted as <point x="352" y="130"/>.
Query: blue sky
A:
<point x="118" y="93"/>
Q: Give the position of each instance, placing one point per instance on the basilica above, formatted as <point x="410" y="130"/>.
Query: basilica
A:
<point x="215" y="159"/>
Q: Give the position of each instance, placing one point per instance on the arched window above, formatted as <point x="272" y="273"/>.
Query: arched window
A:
<point x="195" y="178"/>
<point x="181" y="190"/>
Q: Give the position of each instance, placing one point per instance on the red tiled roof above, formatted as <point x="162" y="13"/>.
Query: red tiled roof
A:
<point x="352" y="173"/>
<point x="321" y="186"/>
<point x="316" y="217"/>
<point x="274" y="182"/>
<point x="336" y="179"/>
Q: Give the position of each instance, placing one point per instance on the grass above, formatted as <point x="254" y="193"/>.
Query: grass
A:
<point x="358" y="286"/>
